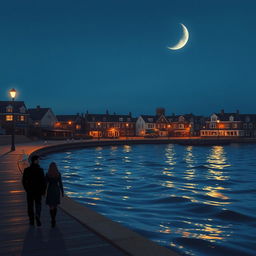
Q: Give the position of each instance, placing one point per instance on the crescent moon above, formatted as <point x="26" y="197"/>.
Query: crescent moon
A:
<point x="183" y="40"/>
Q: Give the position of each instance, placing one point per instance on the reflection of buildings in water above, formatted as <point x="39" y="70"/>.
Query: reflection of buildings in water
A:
<point x="170" y="155"/>
<point x="203" y="231"/>
<point x="189" y="158"/>
<point x="170" y="160"/>
<point x="127" y="149"/>
<point x="217" y="163"/>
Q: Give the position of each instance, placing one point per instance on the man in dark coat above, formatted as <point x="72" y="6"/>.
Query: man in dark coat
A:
<point x="34" y="183"/>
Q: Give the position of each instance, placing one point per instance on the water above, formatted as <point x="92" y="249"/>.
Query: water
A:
<point x="194" y="200"/>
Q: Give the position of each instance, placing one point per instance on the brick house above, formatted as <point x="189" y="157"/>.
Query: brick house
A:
<point x="109" y="125"/>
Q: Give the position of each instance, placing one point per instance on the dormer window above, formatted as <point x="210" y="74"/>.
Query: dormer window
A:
<point x="181" y="119"/>
<point x="104" y="118"/>
<point x="22" y="109"/>
<point x="214" y="118"/>
<point x="150" y="119"/>
<point x="120" y="119"/>
<point x="231" y="118"/>
<point x="9" y="109"/>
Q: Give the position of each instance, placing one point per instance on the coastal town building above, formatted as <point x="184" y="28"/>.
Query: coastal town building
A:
<point x="146" y="125"/>
<point x="13" y="113"/>
<point x="223" y="125"/>
<point x="152" y="125"/>
<point x="109" y="125"/>
<point x="179" y="126"/>
<point x="41" y="121"/>
<point x="248" y="124"/>
<point x="71" y="126"/>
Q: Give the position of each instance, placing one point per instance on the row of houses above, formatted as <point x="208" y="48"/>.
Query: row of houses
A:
<point x="42" y="122"/>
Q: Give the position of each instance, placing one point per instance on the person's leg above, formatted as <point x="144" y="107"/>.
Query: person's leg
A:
<point x="38" y="209"/>
<point x="30" y="205"/>
<point x="53" y="215"/>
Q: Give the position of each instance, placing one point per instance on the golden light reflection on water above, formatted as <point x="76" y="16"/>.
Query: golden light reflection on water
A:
<point x="202" y="231"/>
<point x="217" y="163"/>
<point x="170" y="155"/>
<point x="168" y="184"/>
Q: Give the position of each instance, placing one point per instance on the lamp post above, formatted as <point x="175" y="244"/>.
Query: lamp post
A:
<point x="13" y="95"/>
<point x="218" y="121"/>
<point x="168" y="131"/>
<point x="126" y="127"/>
<point x="98" y="125"/>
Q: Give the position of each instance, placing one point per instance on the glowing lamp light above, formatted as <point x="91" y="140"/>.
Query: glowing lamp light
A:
<point x="98" y="124"/>
<point x="69" y="122"/>
<point x="13" y="93"/>
<point x="127" y="125"/>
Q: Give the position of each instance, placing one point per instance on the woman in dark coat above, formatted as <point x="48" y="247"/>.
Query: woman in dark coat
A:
<point x="54" y="188"/>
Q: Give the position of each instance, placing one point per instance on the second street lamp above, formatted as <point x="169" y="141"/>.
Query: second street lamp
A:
<point x="126" y="127"/>
<point x="98" y="124"/>
<point x="13" y="95"/>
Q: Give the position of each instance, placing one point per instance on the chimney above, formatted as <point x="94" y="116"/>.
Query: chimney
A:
<point x="114" y="113"/>
<point x="130" y="114"/>
<point x="107" y="113"/>
<point x="38" y="107"/>
<point x="160" y="111"/>
<point x="222" y="112"/>
<point x="237" y="112"/>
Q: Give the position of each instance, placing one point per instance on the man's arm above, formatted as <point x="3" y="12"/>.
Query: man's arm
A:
<point x="25" y="179"/>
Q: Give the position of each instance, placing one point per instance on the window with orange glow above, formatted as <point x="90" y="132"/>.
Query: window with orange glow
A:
<point x="9" y="118"/>
<point x="9" y="109"/>
<point x="22" y="118"/>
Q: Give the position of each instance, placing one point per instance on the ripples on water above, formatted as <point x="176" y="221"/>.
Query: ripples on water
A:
<point x="195" y="200"/>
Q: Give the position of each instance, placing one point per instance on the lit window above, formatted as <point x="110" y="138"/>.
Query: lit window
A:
<point x="22" y="118"/>
<point x="9" y="109"/>
<point x="9" y="118"/>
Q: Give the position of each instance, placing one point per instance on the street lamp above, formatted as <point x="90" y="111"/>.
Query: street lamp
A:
<point x="218" y="121"/>
<point x="126" y="127"/>
<point x="168" y="131"/>
<point x="98" y="124"/>
<point x="13" y="95"/>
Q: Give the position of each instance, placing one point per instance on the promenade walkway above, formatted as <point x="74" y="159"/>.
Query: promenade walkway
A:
<point x="17" y="238"/>
<point x="79" y="229"/>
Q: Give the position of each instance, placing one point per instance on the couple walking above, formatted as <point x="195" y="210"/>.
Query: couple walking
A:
<point x="36" y="184"/>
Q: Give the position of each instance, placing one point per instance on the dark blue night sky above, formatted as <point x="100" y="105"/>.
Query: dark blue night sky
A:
<point x="95" y="55"/>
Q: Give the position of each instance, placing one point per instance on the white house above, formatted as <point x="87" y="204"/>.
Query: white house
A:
<point x="145" y="124"/>
<point x="42" y="117"/>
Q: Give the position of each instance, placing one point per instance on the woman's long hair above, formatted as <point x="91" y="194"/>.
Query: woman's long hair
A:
<point x="53" y="170"/>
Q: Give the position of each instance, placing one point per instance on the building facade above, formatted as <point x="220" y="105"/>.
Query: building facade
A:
<point x="109" y="125"/>
<point x="14" y="113"/>
<point x="41" y="122"/>
<point x="223" y="125"/>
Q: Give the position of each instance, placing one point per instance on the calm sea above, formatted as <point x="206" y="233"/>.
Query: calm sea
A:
<point x="195" y="200"/>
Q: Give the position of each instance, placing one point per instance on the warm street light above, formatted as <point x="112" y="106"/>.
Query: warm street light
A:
<point x="126" y="133"/>
<point x="13" y="95"/>
<point x="98" y="124"/>
<point x="218" y="126"/>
